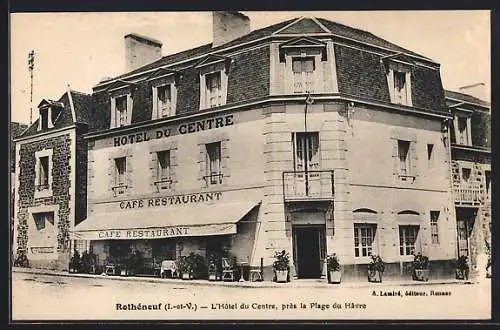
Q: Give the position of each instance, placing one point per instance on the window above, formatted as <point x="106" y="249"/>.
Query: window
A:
<point x="163" y="179"/>
<point x="400" y="94"/>
<point x="164" y="101"/>
<point x="434" y="227"/>
<point x="44" y="118"/>
<point x="43" y="178"/>
<point x="306" y="151"/>
<point x="466" y="174"/>
<point x="213" y="89"/>
<point x="213" y="163"/>
<point x="120" y="170"/>
<point x="407" y="239"/>
<point x="303" y="74"/>
<point x="120" y="110"/>
<point x="463" y="134"/>
<point x="364" y="236"/>
<point x="41" y="219"/>
<point x="430" y="154"/>
<point x="404" y="159"/>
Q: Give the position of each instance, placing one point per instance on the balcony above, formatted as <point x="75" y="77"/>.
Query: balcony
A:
<point x="468" y="195"/>
<point x="308" y="185"/>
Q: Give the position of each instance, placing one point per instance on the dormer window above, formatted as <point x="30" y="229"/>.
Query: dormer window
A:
<point x="213" y="81"/>
<point x="399" y="82"/>
<point x="462" y="130"/>
<point x="303" y="74"/>
<point x="44" y="118"/>
<point x="304" y="62"/>
<point x="121" y="110"/>
<point x="213" y="89"/>
<point x="164" y="88"/>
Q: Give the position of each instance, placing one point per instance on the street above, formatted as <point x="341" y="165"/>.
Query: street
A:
<point x="49" y="297"/>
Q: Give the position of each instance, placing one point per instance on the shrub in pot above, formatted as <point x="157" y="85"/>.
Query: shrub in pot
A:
<point x="462" y="268"/>
<point x="334" y="269"/>
<point x="87" y="260"/>
<point x="21" y="259"/>
<point x="421" y="267"/>
<point x="215" y="267"/>
<point x="75" y="262"/>
<point x="376" y="268"/>
<point x="281" y="266"/>
<point x="198" y="266"/>
<point x="185" y="268"/>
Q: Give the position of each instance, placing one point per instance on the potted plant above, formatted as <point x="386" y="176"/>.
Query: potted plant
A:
<point x="421" y="267"/>
<point x="198" y="266"/>
<point x="185" y="268"/>
<point x="214" y="267"/>
<point x="21" y="259"/>
<point x="462" y="268"/>
<point x="281" y="266"/>
<point x="75" y="262"/>
<point x="376" y="268"/>
<point x="334" y="269"/>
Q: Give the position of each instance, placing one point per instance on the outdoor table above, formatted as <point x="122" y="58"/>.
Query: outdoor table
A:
<point x="170" y="265"/>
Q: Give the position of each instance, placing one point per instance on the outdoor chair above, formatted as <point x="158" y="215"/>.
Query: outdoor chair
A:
<point x="227" y="270"/>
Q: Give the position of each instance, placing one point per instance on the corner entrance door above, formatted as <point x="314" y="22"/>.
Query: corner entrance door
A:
<point x="309" y="251"/>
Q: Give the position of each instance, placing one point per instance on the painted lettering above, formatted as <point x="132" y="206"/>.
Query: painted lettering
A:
<point x="116" y="141"/>
<point x="219" y="122"/>
<point x="182" y="129"/>
<point x="229" y="120"/>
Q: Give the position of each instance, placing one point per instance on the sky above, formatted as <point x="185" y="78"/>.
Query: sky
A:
<point x="79" y="49"/>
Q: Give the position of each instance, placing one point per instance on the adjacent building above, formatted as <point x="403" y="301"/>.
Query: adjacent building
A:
<point x="51" y="180"/>
<point x="471" y="171"/>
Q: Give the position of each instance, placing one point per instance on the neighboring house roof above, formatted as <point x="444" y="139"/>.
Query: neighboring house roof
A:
<point x="81" y="104"/>
<point x="17" y="129"/>
<point x="299" y="25"/>
<point x="466" y="98"/>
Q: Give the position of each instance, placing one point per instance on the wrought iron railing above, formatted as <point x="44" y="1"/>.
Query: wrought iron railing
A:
<point x="309" y="185"/>
<point x="215" y="178"/>
<point x="469" y="194"/>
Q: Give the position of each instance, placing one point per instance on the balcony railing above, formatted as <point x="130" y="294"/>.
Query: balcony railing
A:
<point x="308" y="185"/>
<point x="214" y="178"/>
<point x="469" y="194"/>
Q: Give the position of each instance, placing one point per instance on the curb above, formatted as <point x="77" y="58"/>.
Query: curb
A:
<point x="247" y="284"/>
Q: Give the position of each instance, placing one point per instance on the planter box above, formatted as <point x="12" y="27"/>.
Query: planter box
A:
<point x="374" y="276"/>
<point x="282" y="276"/>
<point x="421" y="274"/>
<point x="462" y="274"/>
<point x="186" y="276"/>
<point x="335" y="276"/>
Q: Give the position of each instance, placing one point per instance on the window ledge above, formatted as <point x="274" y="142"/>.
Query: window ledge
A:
<point x="119" y="190"/>
<point x="43" y="193"/>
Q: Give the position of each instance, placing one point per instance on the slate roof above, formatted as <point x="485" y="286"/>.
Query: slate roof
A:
<point x="82" y="104"/>
<point x="466" y="98"/>
<point x="301" y="25"/>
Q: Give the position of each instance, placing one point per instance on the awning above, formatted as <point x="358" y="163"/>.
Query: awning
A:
<point x="200" y="220"/>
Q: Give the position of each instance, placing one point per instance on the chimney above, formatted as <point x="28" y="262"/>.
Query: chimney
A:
<point x="140" y="50"/>
<point x="477" y="90"/>
<point x="228" y="25"/>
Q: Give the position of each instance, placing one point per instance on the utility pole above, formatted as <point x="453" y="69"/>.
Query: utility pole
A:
<point x="31" y="66"/>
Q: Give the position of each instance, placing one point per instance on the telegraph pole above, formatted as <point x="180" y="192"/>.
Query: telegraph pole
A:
<point x="31" y="66"/>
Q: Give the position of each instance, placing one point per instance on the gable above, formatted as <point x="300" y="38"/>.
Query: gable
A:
<point x="304" y="25"/>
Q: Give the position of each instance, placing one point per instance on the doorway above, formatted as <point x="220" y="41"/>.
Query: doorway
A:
<point x="309" y="243"/>
<point x="465" y="224"/>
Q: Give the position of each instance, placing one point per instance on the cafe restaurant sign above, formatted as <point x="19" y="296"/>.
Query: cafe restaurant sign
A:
<point x="157" y="232"/>
<point x="176" y="200"/>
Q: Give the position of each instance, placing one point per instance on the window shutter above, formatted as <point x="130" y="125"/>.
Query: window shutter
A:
<point x="129" y="108"/>
<point x="129" y="161"/>
<point x="173" y="89"/>
<point x="155" y="104"/>
<point x="414" y="158"/>
<point x="395" y="157"/>
<point x="113" y="113"/>
<point x="390" y="82"/>
<point x="288" y="75"/>
<point x="37" y="172"/>
<point x="201" y="161"/>
<point x="408" y="89"/>
<point x="224" y="79"/>
<point x="203" y="92"/>
<point x="111" y="174"/>
<point x="152" y="168"/>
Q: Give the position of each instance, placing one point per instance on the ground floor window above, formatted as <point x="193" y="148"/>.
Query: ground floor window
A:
<point x="119" y="250"/>
<point x="407" y="239"/>
<point x="163" y="249"/>
<point x="364" y="237"/>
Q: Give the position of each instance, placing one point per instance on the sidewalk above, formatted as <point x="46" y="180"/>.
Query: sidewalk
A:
<point x="312" y="283"/>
